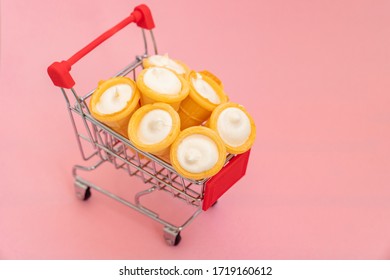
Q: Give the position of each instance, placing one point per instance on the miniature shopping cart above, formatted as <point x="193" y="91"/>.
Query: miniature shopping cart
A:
<point x="107" y="146"/>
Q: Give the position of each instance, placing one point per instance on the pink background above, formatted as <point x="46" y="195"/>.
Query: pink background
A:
<point x="315" y="77"/>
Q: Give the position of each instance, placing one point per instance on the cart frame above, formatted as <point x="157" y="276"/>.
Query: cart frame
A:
<point x="109" y="146"/>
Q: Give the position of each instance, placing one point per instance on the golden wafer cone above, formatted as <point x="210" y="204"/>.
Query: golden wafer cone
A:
<point x="146" y="63"/>
<point x="209" y="134"/>
<point x="212" y="76"/>
<point x="161" y="148"/>
<point x="118" y="121"/>
<point x="196" y="109"/>
<point x="149" y="96"/>
<point x="213" y="124"/>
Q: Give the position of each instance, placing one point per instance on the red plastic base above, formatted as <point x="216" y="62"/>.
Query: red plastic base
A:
<point x="225" y="179"/>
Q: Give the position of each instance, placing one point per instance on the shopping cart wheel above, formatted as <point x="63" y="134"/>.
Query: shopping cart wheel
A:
<point x="83" y="192"/>
<point x="87" y="194"/>
<point x="172" y="237"/>
<point x="177" y="239"/>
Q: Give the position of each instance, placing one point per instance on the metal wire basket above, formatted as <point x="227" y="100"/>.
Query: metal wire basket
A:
<point x="107" y="146"/>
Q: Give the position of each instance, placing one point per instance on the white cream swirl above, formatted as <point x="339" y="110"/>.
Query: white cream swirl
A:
<point x="197" y="153"/>
<point x="114" y="99"/>
<point x="205" y="89"/>
<point x="154" y="127"/>
<point x="162" y="81"/>
<point x="165" y="61"/>
<point x="234" y="126"/>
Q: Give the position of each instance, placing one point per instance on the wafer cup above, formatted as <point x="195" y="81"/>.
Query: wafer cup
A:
<point x="150" y="96"/>
<point x="182" y="69"/>
<point x="212" y="76"/>
<point x="119" y="120"/>
<point x="141" y="121"/>
<point x="197" y="153"/>
<point x="196" y="109"/>
<point x="237" y="130"/>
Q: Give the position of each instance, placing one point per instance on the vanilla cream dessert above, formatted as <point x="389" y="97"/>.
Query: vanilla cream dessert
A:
<point x="154" y="126"/>
<point x="235" y="127"/>
<point x="205" y="89"/>
<point x="197" y="153"/>
<point x="162" y="80"/>
<point x="205" y="95"/>
<point x="165" y="61"/>
<point x="114" y="99"/>
<point x="212" y="76"/>
<point x="158" y="84"/>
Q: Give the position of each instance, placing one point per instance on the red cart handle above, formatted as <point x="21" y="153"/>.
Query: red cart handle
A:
<point x="59" y="71"/>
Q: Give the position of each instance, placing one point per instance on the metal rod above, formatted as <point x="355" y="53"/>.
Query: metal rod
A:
<point x="145" y="42"/>
<point x="154" y="42"/>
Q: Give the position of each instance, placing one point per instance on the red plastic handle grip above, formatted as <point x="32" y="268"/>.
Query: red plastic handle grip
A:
<point x="59" y="72"/>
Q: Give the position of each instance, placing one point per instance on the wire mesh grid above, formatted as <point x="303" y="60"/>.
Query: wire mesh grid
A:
<point x="118" y="150"/>
<point x="97" y="141"/>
